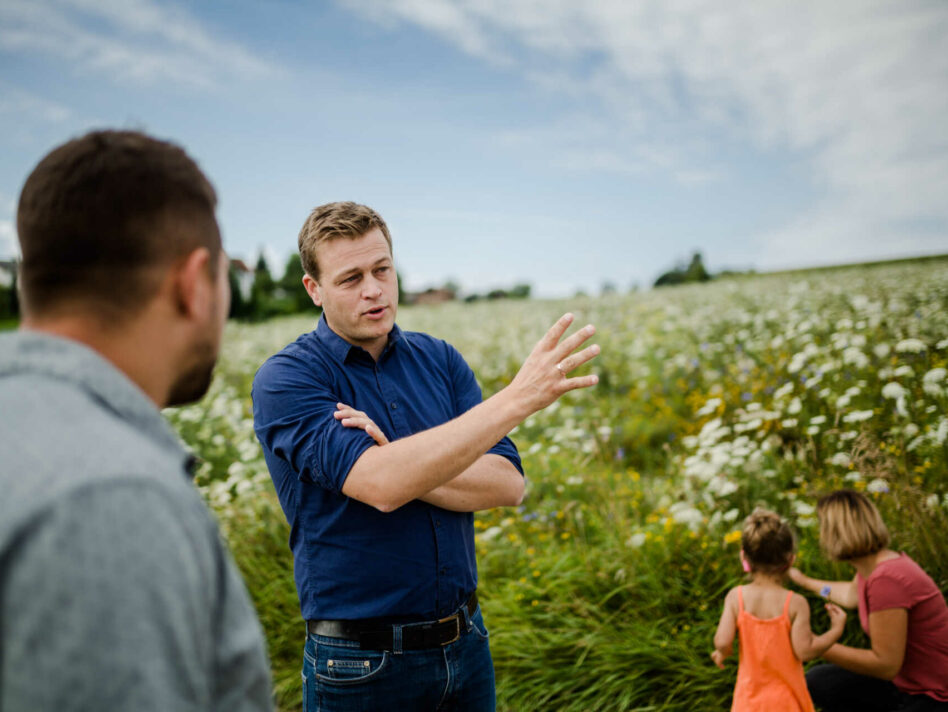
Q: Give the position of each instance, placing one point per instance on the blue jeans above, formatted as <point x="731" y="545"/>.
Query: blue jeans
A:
<point x="459" y="677"/>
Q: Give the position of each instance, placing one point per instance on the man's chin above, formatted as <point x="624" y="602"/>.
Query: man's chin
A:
<point x="191" y="386"/>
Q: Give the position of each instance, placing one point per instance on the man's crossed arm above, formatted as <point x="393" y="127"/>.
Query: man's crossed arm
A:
<point x="447" y="465"/>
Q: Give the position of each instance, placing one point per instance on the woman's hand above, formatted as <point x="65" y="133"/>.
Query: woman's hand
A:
<point x="352" y="418"/>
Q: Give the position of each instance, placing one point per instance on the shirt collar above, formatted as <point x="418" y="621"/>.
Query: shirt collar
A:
<point x="343" y="351"/>
<point x="32" y="352"/>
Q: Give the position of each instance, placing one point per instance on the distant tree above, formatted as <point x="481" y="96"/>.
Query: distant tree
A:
<point x="239" y="305"/>
<point x="696" y="271"/>
<point x="497" y="294"/>
<point x="520" y="291"/>
<point x="608" y="288"/>
<point x="291" y="285"/>
<point x="262" y="290"/>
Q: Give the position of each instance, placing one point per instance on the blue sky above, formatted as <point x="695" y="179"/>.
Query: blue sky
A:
<point x="561" y="143"/>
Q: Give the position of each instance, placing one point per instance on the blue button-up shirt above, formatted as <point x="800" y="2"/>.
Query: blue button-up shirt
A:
<point x="351" y="560"/>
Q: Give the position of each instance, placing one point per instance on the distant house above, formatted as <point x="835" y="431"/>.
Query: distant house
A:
<point x="432" y="296"/>
<point x="244" y="276"/>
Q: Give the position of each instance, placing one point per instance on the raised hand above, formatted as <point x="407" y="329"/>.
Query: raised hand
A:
<point x="543" y="377"/>
<point x="352" y="418"/>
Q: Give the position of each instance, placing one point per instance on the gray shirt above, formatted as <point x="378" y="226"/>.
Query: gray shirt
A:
<point x="116" y="591"/>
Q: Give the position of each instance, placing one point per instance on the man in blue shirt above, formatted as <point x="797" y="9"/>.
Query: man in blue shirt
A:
<point x="380" y="449"/>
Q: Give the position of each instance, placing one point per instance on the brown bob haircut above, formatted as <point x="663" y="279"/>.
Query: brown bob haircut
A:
<point x="767" y="541"/>
<point x="102" y="216"/>
<point x="333" y="221"/>
<point x="850" y="525"/>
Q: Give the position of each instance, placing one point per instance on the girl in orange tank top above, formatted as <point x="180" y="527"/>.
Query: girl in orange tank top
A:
<point x="771" y="623"/>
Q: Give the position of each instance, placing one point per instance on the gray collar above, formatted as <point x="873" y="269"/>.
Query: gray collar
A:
<point x="27" y="352"/>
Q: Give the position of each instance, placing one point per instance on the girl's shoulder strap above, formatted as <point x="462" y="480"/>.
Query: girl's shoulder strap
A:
<point x="786" y="605"/>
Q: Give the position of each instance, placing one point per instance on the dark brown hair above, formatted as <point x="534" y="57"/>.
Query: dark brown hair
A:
<point x="102" y="215"/>
<point x="333" y="221"/>
<point x="850" y="525"/>
<point x="767" y="541"/>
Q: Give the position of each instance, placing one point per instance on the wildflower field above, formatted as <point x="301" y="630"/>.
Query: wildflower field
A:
<point x="602" y="591"/>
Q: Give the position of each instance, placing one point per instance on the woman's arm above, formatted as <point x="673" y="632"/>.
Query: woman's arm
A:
<point x="845" y="593"/>
<point x="888" y="631"/>
<point x="806" y="645"/>
<point x="727" y="629"/>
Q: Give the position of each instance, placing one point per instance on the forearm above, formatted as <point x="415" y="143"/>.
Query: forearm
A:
<point x="818" y="645"/>
<point x="412" y="467"/>
<point x="492" y="481"/>
<point x="840" y="592"/>
<point x="860" y="660"/>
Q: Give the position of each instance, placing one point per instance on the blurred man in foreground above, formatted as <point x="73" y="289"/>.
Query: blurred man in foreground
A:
<point x="116" y="592"/>
<point x="380" y="449"/>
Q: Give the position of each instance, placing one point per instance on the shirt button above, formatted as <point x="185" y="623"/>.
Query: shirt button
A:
<point x="443" y="571"/>
<point x="394" y="405"/>
<point x="437" y="522"/>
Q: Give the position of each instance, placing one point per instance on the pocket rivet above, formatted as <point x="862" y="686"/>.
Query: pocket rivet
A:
<point x="329" y="664"/>
<point x="366" y="663"/>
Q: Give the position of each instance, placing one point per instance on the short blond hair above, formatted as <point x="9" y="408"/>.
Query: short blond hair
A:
<point x="850" y="525"/>
<point x="333" y="221"/>
<point x="767" y="541"/>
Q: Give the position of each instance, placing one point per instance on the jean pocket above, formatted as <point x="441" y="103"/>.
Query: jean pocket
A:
<point x="348" y="666"/>
<point x="477" y="625"/>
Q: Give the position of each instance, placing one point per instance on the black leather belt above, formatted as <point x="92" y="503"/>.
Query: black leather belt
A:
<point x="371" y="635"/>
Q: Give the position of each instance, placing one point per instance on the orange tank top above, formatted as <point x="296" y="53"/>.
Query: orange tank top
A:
<point x="769" y="675"/>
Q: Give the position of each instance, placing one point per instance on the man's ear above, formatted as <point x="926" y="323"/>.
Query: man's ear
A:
<point x="192" y="283"/>
<point x="312" y="289"/>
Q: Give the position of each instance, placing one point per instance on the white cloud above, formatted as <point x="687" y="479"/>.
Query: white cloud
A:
<point x="17" y="102"/>
<point x="857" y="89"/>
<point x="126" y="40"/>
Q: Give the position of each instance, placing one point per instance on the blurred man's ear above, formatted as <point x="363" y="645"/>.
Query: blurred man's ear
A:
<point x="192" y="283"/>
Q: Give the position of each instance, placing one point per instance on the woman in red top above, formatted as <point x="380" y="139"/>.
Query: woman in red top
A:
<point x="900" y="608"/>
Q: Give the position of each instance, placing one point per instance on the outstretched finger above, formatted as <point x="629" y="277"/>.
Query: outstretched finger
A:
<point x="578" y="359"/>
<point x="571" y="384"/>
<point x="555" y="332"/>
<point x="574" y="341"/>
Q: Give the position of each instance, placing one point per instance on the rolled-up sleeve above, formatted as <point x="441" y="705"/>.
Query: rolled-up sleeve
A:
<point x="293" y="417"/>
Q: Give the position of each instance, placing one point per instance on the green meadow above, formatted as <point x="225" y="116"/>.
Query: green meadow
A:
<point x="602" y="591"/>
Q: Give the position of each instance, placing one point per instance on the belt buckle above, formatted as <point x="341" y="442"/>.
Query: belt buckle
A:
<point x="457" y="628"/>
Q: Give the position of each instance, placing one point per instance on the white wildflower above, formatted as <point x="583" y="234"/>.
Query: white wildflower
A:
<point x="795" y="406"/>
<point x="636" y="540"/>
<point x="881" y="350"/>
<point x="910" y="346"/>
<point x="817" y="420"/>
<point x="878" y="486"/>
<point x="893" y="390"/>
<point x="858" y="416"/>
<point x="840" y="459"/>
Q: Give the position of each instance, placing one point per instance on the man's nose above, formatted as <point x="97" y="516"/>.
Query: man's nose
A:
<point x="371" y="289"/>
